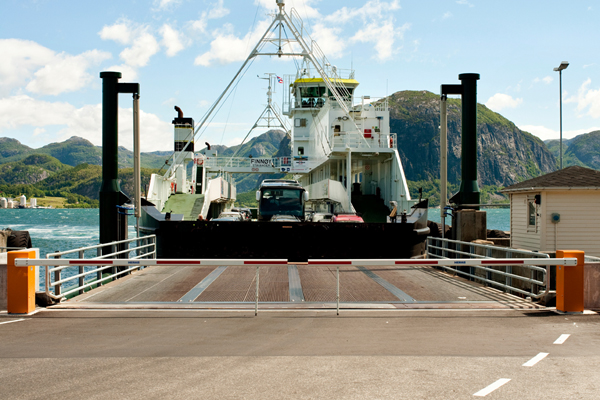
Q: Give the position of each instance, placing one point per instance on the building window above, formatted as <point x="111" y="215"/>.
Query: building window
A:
<point x="531" y="214"/>
<point x="300" y="122"/>
<point x="300" y="151"/>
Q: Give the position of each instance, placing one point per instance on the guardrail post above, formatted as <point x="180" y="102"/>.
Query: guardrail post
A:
<point x="98" y="273"/>
<point x="338" y="290"/>
<point x="488" y="274"/>
<point x="113" y="270"/>
<point x="508" y="270"/>
<point x="57" y="278"/>
<point x="256" y="303"/>
<point x="81" y="278"/>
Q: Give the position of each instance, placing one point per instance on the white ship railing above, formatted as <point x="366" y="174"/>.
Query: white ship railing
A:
<point x="143" y="248"/>
<point x="359" y="141"/>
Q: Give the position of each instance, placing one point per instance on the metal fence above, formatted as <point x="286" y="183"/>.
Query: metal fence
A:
<point x="59" y="286"/>
<point x="135" y="263"/>
<point x="526" y="280"/>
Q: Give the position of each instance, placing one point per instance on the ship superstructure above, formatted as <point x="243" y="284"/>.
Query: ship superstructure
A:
<point x="342" y="151"/>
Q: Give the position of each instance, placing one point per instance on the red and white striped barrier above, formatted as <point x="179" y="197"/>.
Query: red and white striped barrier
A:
<point x="467" y="262"/>
<point x="122" y="262"/>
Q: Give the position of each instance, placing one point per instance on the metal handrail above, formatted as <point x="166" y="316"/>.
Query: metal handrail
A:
<point x="441" y="246"/>
<point x="147" y="249"/>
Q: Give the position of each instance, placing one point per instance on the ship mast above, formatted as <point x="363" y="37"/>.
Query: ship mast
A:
<point x="301" y="45"/>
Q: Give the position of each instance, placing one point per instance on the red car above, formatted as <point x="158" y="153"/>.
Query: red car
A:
<point x="347" y="218"/>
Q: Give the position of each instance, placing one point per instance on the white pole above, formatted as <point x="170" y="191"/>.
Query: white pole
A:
<point x="348" y="177"/>
<point x="137" y="180"/>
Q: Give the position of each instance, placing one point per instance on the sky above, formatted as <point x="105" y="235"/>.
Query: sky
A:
<point x="185" y="52"/>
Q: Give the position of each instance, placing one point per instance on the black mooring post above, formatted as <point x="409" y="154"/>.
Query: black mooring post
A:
<point x="469" y="190"/>
<point x="113" y="226"/>
<point x="468" y="187"/>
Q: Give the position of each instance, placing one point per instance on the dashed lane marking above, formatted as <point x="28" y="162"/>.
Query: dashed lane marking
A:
<point x="561" y="339"/>
<point x="535" y="360"/>
<point x="16" y="320"/>
<point x="485" y="391"/>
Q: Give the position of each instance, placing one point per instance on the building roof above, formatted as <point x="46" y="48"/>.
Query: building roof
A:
<point x="574" y="177"/>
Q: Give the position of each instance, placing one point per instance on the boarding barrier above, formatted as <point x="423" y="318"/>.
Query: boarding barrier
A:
<point x="532" y="263"/>
<point x="137" y="248"/>
<point x="131" y="264"/>
<point x="504" y="276"/>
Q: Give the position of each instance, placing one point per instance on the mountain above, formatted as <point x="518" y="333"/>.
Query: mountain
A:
<point x="11" y="148"/>
<point x="30" y="170"/>
<point x="73" y="151"/>
<point x="506" y="154"/>
<point x="582" y="150"/>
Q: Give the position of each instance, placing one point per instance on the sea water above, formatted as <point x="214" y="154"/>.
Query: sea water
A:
<point x="62" y="229"/>
<point x="56" y="230"/>
<point x="497" y="218"/>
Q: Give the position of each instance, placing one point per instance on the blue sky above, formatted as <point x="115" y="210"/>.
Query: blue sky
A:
<point x="184" y="52"/>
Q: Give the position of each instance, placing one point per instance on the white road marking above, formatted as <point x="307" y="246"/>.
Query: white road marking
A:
<point x="535" y="360"/>
<point x="492" y="387"/>
<point x="562" y="338"/>
<point x="16" y="320"/>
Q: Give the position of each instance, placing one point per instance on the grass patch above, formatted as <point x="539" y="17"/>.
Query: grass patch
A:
<point x="56" y="202"/>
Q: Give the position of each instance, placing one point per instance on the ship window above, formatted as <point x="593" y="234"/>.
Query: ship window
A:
<point x="300" y="122"/>
<point x="300" y="151"/>
<point x="337" y="128"/>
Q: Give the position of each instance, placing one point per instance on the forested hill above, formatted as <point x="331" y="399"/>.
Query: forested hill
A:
<point x="505" y="153"/>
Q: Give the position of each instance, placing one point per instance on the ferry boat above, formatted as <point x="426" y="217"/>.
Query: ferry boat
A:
<point x="343" y="156"/>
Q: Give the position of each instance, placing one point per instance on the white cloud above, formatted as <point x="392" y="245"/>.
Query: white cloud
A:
<point x="545" y="133"/>
<point x="383" y="36"/>
<point x="373" y="9"/>
<point x="43" y="71"/>
<point x="119" y="32"/>
<point x="303" y="7"/>
<point x="227" y="48"/>
<point x="215" y="12"/>
<point x="464" y="3"/>
<point x="587" y="98"/>
<point x="23" y="111"/>
<point x="128" y="73"/>
<point x="165" y="4"/>
<point x="66" y="73"/>
<point x="547" y="80"/>
<point x="172" y="40"/>
<point x="142" y="44"/>
<point x="378" y="25"/>
<point x="329" y="41"/>
<point x="500" y="101"/>
<point x="447" y="15"/>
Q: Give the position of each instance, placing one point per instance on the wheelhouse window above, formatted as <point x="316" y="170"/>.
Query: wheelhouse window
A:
<point x="312" y="97"/>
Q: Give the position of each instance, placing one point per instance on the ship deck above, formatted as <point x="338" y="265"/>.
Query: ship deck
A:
<point x="295" y="286"/>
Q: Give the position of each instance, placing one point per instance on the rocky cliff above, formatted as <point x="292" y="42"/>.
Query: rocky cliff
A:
<point x="505" y="153"/>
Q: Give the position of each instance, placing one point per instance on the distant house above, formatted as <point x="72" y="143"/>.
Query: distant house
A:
<point x="559" y="210"/>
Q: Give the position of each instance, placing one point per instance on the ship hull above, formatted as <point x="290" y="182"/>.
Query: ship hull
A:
<point x="296" y="242"/>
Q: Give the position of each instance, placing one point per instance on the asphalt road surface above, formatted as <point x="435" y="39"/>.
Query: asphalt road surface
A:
<point x="396" y="354"/>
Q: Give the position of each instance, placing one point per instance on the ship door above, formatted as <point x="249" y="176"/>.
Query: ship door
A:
<point x="199" y="178"/>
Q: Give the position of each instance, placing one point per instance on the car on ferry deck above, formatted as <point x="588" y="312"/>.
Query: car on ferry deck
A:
<point x="351" y="218"/>
<point x="228" y="216"/>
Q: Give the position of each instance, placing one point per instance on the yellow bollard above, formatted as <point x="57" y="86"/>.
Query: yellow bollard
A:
<point x="20" y="282"/>
<point x="569" y="282"/>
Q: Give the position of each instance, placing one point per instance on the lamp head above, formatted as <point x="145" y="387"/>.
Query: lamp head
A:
<point x="563" y="65"/>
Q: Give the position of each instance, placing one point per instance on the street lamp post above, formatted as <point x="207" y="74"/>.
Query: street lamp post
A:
<point x="563" y="65"/>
